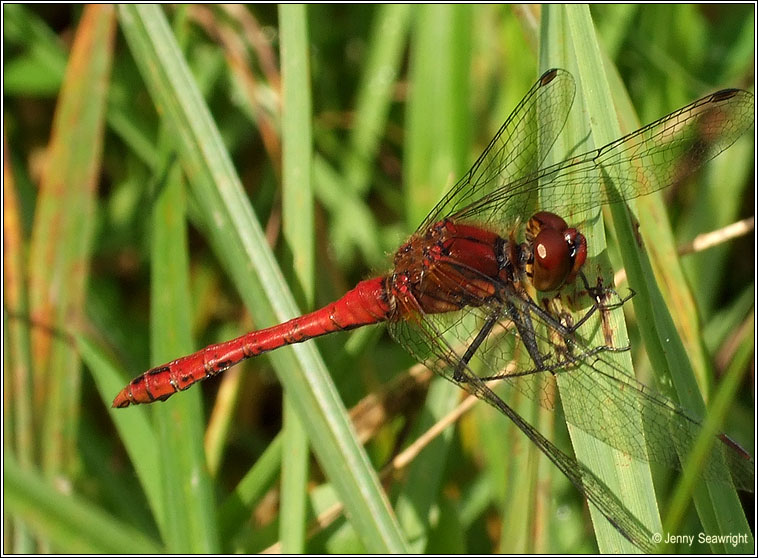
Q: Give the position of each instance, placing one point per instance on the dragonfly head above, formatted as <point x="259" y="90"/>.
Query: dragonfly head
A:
<point x="557" y="251"/>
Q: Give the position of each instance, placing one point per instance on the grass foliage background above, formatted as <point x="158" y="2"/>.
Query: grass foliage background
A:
<point x="118" y="256"/>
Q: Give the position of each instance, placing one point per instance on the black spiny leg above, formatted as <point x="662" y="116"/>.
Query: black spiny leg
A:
<point x="524" y="326"/>
<point x="458" y="374"/>
<point x="596" y="293"/>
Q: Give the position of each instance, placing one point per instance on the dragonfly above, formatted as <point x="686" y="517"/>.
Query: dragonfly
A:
<point x="462" y="294"/>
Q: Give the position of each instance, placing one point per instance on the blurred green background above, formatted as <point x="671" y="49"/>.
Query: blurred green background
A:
<point x="403" y="100"/>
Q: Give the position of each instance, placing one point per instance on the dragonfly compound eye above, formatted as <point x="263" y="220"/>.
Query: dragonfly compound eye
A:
<point x="578" y="248"/>
<point x="544" y="220"/>
<point x="553" y="260"/>
<point x="558" y="252"/>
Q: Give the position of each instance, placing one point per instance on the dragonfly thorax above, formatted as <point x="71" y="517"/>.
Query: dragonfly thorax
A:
<point x="448" y="267"/>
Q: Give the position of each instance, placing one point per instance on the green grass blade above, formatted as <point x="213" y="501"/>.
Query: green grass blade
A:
<point x="648" y="303"/>
<point x="720" y="406"/>
<point x="673" y="342"/>
<point x="299" y="233"/>
<point x="437" y="151"/>
<point x="437" y="117"/>
<point x="42" y="68"/>
<point x="388" y="37"/>
<point x="234" y="512"/>
<point x="242" y="249"/>
<point x="675" y="357"/>
<point x="18" y="418"/>
<point x="135" y="429"/>
<point x="354" y="227"/>
<point x="630" y="480"/>
<point x="62" y="236"/>
<point x="71" y="524"/>
<point x="188" y="496"/>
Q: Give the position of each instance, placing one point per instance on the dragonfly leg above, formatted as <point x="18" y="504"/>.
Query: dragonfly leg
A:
<point x="489" y="323"/>
<point x="522" y="321"/>
<point x="598" y="293"/>
<point x="558" y="366"/>
<point x="565" y="357"/>
<point x="524" y="326"/>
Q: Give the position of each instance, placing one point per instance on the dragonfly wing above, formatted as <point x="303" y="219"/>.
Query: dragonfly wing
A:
<point x="518" y="148"/>
<point x="428" y="340"/>
<point x="596" y="395"/>
<point x="661" y="154"/>
<point x="600" y="399"/>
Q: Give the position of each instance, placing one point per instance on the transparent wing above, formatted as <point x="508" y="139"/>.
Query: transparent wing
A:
<point x="659" y="155"/>
<point x="429" y="345"/>
<point x="518" y="148"/>
<point x="596" y="395"/>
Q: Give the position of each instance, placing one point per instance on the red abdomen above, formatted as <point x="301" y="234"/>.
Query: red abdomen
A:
<point x="367" y="303"/>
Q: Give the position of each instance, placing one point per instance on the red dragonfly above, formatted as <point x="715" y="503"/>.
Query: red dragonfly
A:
<point x="460" y="295"/>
